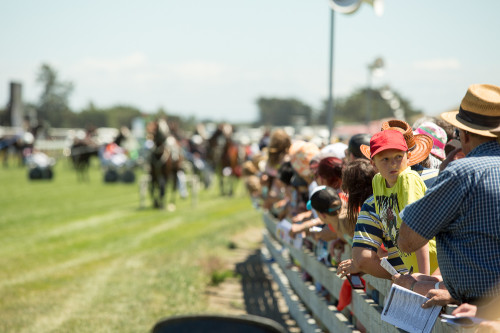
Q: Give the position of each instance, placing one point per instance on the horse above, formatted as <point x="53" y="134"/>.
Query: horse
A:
<point x="224" y="156"/>
<point x="165" y="162"/>
<point x="16" y="146"/>
<point x="81" y="151"/>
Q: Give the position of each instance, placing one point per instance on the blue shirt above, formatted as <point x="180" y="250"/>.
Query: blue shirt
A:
<point x="462" y="210"/>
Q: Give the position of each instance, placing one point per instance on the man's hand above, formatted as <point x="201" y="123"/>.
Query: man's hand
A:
<point x="440" y="297"/>
<point x="465" y="310"/>
<point x="405" y="281"/>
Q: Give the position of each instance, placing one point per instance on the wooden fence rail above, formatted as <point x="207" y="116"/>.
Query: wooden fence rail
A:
<point x="314" y="312"/>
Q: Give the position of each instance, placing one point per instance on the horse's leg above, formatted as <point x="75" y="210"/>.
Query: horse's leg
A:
<point x="152" y="192"/>
<point x="162" y="189"/>
<point x="221" y="182"/>
<point x="230" y="181"/>
<point x="172" y="177"/>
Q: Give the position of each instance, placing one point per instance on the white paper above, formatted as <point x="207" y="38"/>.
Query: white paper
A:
<point x="403" y="309"/>
<point x="460" y="321"/>
<point x="283" y="232"/>
<point x="388" y="267"/>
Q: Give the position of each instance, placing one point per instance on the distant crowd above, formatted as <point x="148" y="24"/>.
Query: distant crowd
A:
<point x="424" y="196"/>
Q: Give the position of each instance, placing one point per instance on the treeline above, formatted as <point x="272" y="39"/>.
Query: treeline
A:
<point x="52" y="109"/>
<point x="351" y="109"/>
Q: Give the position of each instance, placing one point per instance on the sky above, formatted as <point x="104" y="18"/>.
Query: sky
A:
<point x="214" y="59"/>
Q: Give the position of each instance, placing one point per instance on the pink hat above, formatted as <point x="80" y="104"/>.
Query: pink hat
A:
<point x="438" y="136"/>
<point x="301" y="154"/>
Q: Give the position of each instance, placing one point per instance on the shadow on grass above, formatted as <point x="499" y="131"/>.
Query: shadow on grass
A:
<point x="259" y="296"/>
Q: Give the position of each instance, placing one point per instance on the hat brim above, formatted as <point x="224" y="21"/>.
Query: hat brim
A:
<point x="365" y="150"/>
<point x="422" y="149"/>
<point x="452" y="118"/>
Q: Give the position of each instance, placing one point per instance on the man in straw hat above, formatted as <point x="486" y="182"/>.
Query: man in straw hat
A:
<point x="462" y="209"/>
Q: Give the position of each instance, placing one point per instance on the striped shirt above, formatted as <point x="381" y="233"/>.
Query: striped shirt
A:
<point x="462" y="210"/>
<point x="428" y="175"/>
<point x="370" y="234"/>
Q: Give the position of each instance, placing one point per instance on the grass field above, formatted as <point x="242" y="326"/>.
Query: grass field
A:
<point x="82" y="257"/>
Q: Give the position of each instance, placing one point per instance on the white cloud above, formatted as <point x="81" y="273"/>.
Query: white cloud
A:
<point x="437" y="64"/>
<point x="132" y="61"/>
<point x="198" y="71"/>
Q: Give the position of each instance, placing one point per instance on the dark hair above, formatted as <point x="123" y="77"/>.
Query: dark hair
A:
<point x="356" y="141"/>
<point x="279" y="143"/>
<point x="330" y="169"/>
<point x="285" y="172"/>
<point x="357" y="183"/>
<point x="323" y="199"/>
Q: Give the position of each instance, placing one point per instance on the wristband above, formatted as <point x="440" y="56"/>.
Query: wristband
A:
<point x="413" y="285"/>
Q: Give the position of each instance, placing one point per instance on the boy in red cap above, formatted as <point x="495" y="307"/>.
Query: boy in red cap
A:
<point x="394" y="187"/>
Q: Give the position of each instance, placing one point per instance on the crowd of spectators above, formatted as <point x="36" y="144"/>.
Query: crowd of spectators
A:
<point x="425" y="196"/>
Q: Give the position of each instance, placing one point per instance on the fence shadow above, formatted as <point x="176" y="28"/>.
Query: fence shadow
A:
<point x="260" y="297"/>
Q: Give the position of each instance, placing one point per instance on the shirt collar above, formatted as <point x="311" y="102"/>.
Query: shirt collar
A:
<point x="484" y="148"/>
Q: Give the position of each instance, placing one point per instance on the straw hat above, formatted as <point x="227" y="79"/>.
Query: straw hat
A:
<point x="419" y="145"/>
<point x="301" y="154"/>
<point x="479" y="111"/>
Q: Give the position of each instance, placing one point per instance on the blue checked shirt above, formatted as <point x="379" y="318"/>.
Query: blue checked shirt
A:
<point x="462" y="210"/>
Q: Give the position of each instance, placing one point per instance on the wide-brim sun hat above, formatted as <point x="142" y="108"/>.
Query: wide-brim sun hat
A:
<point x="479" y="111"/>
<point x="301" y="153"/>
<point x="438" y="136"/>
<point x="419" y="145"/>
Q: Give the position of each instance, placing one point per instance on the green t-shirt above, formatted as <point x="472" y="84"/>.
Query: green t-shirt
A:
<point x="390" y="201"/>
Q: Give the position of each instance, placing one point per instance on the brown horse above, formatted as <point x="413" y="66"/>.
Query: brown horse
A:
<point x="224" y="156"/>
<point x="165" y="161"/>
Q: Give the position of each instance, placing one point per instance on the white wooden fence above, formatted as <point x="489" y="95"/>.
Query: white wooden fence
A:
<point x="311" y="310"/>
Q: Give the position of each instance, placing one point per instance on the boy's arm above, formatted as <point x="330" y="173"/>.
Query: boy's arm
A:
<point x="367" y="261"/>
<point x="424" y="265"/>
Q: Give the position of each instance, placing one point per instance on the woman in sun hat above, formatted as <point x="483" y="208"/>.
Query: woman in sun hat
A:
<point x="439" y="140"/>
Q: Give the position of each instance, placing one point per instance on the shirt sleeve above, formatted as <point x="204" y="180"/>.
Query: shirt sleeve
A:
<point x="370" y="235"/>
<point x="412" y="188"/>
<point x="368" y="232"/>
<point x="437" y="209"/>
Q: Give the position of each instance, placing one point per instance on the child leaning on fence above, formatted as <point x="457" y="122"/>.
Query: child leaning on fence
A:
<point x="394" y="187"/>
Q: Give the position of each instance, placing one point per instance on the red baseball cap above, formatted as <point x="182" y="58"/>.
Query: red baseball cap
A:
<point x="388" y="139"/>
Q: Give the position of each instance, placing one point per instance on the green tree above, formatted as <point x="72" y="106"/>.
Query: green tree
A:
<point x="283" y="112"/>
<point x="121" y="115"/>
<point x="53" y="105"/>
<point x="353" y="108"/>
<point x="92" y="116"/>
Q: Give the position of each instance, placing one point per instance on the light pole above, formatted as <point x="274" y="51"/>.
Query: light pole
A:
<point x="329" y="115"/>
<point x="344" y="7"/>
<point x="374" y="69"/>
